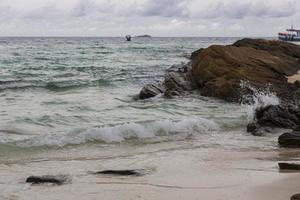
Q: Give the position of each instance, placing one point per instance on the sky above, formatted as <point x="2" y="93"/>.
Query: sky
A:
<point x="176" y="18"/>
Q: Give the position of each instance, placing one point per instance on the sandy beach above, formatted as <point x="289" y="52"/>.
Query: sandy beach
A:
<point x="185" y="172"/>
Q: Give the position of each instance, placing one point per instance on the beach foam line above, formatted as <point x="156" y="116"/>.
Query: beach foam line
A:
<point x="123" y="132"/>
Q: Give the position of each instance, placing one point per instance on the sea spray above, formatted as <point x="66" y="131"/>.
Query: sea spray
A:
<point x="157" y="130"/>
<point x="257" y="99"/>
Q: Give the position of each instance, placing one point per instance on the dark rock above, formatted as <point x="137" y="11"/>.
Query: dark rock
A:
<point x="289" y="166"/>
<point x="257" y="130"/>
<point x="296" y="129"/>
<point x="122" y="172"/>
<point x="254" y="129"/>
<point x="297" y="83"/>
<point x="295" y="197"/>
<point x="58" y="180"/>
<point x="289" y="139"/>
<point x="196" y="53"/>
<point x="151" y="90"/>
<point x="177" y="82"/>
<point x="278" y="116"/>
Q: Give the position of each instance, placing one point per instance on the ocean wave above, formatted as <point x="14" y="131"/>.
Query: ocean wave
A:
<point x="51" y="85"/>
<point x="158" y="130"/>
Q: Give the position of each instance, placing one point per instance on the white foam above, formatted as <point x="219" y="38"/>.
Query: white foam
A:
<point x="123" y="132"/>
<point x="259" y="99"/>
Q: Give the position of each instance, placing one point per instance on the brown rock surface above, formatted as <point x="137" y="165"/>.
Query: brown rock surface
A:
<point x="218" y="71"/>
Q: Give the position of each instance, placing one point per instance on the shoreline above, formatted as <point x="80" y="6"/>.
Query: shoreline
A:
<point x="179" y="173"/>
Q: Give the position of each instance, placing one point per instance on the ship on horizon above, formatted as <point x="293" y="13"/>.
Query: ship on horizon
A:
<point x="292" y="34"/>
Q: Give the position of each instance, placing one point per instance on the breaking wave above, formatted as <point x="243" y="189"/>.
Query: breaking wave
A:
<point x="257" y="99"/>
<point x="158" y="130"/>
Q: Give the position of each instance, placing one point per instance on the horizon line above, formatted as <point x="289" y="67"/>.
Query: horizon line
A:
<point x="58" y="36"/>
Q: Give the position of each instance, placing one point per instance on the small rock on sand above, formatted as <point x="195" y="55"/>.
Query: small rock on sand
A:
<point x="58" y="180"/>
<point x="289" y="166"/>
<point x="295" y="197"/>
<point x="123" y="172"/>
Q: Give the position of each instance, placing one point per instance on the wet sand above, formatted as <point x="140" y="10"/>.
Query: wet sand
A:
<point x="189" y="173"/>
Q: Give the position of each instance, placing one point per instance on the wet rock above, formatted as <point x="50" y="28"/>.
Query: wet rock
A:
<point x="178" y="81"/>
<point x="122" y="172"/>
<point x="196" y="53"/>
<point x="256" y="130"/>
<point x="290" y="139"/>
<point x="217" y="71"/>
<point x="295" y="197"/>
<point x="253" y="127"/>
<point x="289" y="166"/>
<point x="58" y="180"/>
<point x="278" y="116"/>
<point x="151" y="90"/>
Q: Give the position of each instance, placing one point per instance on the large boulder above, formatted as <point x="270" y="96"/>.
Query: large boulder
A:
<point x="218" y="71"/>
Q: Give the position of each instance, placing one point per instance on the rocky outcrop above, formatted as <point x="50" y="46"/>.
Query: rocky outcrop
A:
<point x="178" y="81"/>
<point x="217" y="71"/>
<point x="290" y="139"/>
<point x="278" y="116"/>
<point x="281" y="116"/>
<point x="151" y="90"/>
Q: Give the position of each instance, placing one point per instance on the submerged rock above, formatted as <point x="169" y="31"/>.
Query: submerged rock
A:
<point x="289" y="166"/>
<point x="58" y="180"/>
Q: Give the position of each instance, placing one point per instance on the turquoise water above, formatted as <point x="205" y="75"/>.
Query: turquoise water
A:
<point x="56" y="92"/>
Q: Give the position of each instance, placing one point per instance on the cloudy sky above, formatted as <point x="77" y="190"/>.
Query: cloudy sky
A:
<point x="155" y="17"/>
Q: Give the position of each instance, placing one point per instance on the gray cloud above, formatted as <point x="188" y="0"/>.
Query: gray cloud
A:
<point x="164" y="8"/>
<point x="156" y="17"/>
<point x="48" y="12"/>
<point x="88" y="7"/>
<point x="241" y="9"/>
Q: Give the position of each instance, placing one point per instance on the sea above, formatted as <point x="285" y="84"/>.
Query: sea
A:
<point x="60" y="93"/>
<point x="72" y="98"/>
